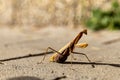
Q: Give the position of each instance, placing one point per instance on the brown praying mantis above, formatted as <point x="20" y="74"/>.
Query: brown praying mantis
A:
<point x="61" y="55"/>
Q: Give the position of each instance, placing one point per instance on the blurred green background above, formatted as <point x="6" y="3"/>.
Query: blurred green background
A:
<point x="94" y="14"/>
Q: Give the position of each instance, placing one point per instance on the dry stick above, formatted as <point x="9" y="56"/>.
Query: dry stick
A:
<point x="26" y="56"/>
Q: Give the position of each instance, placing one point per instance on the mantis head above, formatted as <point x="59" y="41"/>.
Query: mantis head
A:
<point x="85" y="31"/>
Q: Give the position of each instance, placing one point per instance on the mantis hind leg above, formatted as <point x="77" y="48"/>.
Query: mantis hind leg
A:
<point x="85" y="56"/>
<point x="47" y="51"/>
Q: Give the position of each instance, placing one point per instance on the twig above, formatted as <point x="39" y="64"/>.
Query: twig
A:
<point x="26" y="56"/>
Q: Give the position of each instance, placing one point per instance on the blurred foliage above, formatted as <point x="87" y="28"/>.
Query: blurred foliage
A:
<point x="41" y="13"/>
<point x="101" y="19"/>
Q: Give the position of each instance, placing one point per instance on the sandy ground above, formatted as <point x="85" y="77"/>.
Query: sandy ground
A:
<point x="16" y="44"/>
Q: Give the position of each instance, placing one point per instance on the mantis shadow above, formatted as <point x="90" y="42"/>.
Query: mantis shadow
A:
<point x="94" y="63"/>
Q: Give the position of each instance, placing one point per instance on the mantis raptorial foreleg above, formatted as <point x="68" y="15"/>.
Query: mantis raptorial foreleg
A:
<point x="81" y="45"/>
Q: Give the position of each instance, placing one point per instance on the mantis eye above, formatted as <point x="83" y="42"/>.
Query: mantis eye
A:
<point x="81" y="45"/>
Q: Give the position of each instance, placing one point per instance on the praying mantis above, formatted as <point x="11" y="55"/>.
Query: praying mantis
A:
<point x="62" y="55"/>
